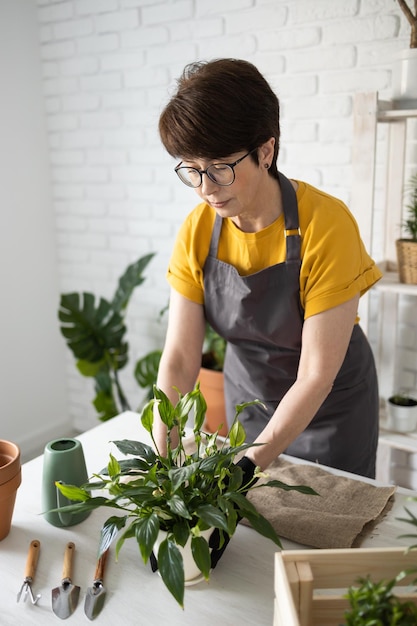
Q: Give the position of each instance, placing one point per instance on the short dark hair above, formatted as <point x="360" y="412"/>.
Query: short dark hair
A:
<point x="220" y="107"/>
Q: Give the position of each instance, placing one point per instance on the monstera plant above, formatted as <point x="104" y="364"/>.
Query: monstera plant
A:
<point x="95" y="332"/>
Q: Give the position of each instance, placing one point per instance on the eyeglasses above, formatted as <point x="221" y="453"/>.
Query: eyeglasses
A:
<point x="222" y="174"/>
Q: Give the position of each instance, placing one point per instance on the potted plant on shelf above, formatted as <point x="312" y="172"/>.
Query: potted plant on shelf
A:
<point x="402" y="412"/>
<point x="407" y="247"/>
<point x="405" y="69"/>
<point x="94" y="329"/>
<point x="183" y="493"/>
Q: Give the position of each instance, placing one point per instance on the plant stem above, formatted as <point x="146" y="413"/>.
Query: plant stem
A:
<point x="120" y="394"/>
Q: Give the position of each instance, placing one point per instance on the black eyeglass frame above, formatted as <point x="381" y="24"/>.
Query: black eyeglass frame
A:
<point x="207" y="172"/>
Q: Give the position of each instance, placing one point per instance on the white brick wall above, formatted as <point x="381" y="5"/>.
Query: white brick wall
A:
<point x="108" y="69"/>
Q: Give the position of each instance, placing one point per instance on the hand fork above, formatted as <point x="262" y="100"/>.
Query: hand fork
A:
<point x="30" y="569"/>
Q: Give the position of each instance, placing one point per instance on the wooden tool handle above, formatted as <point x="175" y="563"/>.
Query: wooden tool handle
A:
<point x="32" y="559"/>
<point x="68" y="560"/>
<point x="101" y="564"/>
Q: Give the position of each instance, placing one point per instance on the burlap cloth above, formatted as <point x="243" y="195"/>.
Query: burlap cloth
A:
<point x="344" y="512"/>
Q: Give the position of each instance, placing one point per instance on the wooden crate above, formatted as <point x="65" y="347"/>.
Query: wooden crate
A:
<point x="310" y="584"/>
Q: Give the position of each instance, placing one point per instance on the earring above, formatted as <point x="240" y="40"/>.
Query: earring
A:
<point x="266" y="166"/>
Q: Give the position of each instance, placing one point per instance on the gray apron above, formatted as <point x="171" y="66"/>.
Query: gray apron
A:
<point x="261" y="318"/>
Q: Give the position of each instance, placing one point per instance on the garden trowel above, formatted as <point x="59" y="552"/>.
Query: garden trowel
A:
<point x="96" y="594"/>
<point x="65" y="597"/>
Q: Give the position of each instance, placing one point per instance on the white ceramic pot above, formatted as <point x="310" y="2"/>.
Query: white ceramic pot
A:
<point x="401" y="418"/>
<point x="404" y="76"/>
<point x="192" y="574"/>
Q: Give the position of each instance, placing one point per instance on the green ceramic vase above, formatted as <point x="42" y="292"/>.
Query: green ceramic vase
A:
<point x="63" y="461"/>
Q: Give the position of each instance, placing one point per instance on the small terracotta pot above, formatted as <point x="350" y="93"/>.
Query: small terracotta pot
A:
<point x="212" y="388"/>
<point x="10" y="479"/>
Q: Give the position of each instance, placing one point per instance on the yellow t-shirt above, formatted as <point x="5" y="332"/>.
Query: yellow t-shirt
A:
<point x="335" y="265"/>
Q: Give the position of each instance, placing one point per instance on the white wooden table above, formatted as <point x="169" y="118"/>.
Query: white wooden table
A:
<point x="240" y="590"/>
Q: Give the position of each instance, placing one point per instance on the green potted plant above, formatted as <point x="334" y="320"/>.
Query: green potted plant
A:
<point x="212" y="381"/>
<point x="375" y="604"/>
<point x="94" y="330"/>
<point x="407" y="246"/>
<point x="402" y="412"/>
<point x="183" y="493"/>
<point x="210" y="377"/>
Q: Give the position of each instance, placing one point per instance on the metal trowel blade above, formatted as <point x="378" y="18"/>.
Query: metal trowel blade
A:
<point x="94" y="600"/>
<point x="65" y="597"/>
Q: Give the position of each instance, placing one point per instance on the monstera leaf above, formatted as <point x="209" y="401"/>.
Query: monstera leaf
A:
<point x="131" y="278"/>
<point x="90" y="328"/>
<point x="146" y="371"/>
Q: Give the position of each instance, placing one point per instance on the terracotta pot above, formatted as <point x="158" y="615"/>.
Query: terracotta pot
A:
<point x="212" y="388"/>
<point x="10" y="479"/>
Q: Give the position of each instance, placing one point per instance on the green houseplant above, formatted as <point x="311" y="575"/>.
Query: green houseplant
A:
<point x="214" y="350"/>
<point x="375" y="604"/>
<point x="402" y="412"/>
<point x="181" y="492"/>
<point x="210" y="377"/>
<point x="94" y="330"/>
<point x="212" y="380"/>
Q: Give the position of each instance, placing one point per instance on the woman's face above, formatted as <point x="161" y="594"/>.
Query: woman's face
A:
<point x="244" y="198"/>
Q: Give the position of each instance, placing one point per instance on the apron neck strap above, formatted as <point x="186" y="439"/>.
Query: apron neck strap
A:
<point x="292" y="229"/>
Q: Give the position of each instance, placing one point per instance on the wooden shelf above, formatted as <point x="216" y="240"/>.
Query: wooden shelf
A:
<point x="399" y="441"/>
<point x="390" y="111"/>
<point x="369" y="111"/>
<point x="390" y="283"/>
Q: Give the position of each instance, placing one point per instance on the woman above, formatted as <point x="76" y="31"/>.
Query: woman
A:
<point x="277" y="267"/>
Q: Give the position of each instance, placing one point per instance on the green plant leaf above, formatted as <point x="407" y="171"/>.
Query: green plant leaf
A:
<point x="178" y="507"/>
<point x="263" y="527"/>
<point x="146" y="532"/>
<point x="147" y="416"/>
<point x="105" y="406"/>
<point x="113" y="467"/>
<point x="72" y="492"/>
<point x="128" y="534"/>
<point x="90" y="330"/>
<point x="230" y="512"/>
<point x="146" y="370"/>
<point x="86" y="368"/>
<point x="131" y="278"/>
<point x="180" y="475"/>
<point x="237" y="434"/>
<point x="201" y="554"/>
<point x="212" y="516"/>
<point x="181" y="532"/>
<point x="171" y="568"/>
<point x="109" y="531"/>
<point x="165" y="408"/>
<point x="83" y="507"/>
<point x="136" y="448"/>
<point x="200" y="410"/>
<point x="300" y="488"/>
